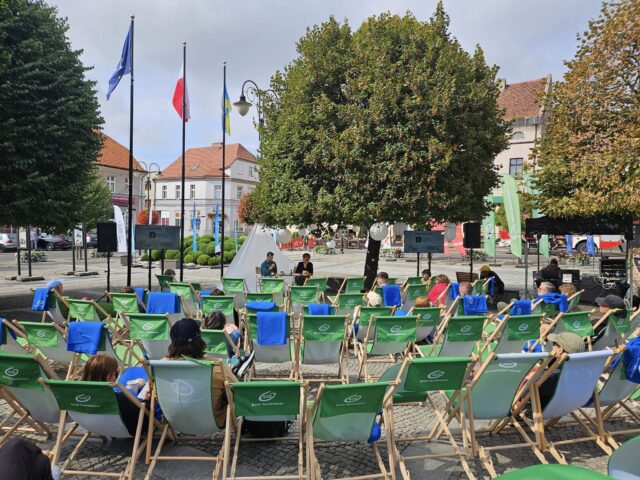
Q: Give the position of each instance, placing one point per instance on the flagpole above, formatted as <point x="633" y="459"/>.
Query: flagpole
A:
<point x="184" y="116"/>
<point x="224" y="141"/>
<point x="130" y="216"/>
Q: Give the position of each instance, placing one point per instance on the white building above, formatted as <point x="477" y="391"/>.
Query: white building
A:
<point x="203" y="187"/>
<point x="524" y="108"/>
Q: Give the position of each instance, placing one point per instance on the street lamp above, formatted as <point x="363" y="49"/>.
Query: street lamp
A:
<point x="148" y="170"/>
<point x="251" y="91"/>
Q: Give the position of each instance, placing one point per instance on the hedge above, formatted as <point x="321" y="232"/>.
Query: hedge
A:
<point x="188" y="259"/>
<point x="203" y="259"/>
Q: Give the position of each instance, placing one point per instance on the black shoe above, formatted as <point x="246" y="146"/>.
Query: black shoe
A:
<point x="244" y="363"/>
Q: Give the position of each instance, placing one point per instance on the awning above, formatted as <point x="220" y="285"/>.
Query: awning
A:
<point x="580" y="226"/>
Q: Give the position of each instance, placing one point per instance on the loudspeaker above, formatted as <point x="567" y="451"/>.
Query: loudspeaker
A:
<point x="107" y="237"/>
<point x="471" y="235"/>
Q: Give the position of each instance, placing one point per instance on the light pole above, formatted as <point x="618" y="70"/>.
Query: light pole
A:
<point x="255" y="95"/>
<point x="147" y="187"/>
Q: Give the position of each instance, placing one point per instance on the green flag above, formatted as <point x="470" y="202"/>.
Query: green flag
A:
<point x="512" y="210"/>
<point x="489" y="232"/>
<point x="543" y="242"/>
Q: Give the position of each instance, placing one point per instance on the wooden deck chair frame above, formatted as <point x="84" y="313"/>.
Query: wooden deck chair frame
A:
<point x="290" y="303"/>
<point x="279" y="293"/>
<point x="611" y="333"/>
<point x="574" y="300"/>
<point x="264" y="392"/>
<point x="426" y="325"/>
<point x="40" y="341"/>
<point x="191" y="305"/>
<point x="236" y="287"/>
<point x="347" y="288"/>
<point x="56" y="316"/>
<point x="153" y="327"/>
<point x="114" y="297"/>
<point x="321" y="283"/>
<point x="108" y="319"/>
<point x="251" y="335"/>
<point x="320" y="324"/>
<point x="138" y="445"/>
<point x="409" y="294"/>
<point x="437" y="348"/>
<point x="13" y="346"/>
<point x="315" y="472"/>
<point x="363" y="320"/>
<point x="522" y="333"/>
<point x="339" y="298"/>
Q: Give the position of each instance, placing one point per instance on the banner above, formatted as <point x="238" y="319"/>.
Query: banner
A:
<point x="543" y="241"/>
<point x="120" y="229"/>
<point x="489" y="233"/>
<point x="514" y="215"/>
<point x="216" y="229"/>
<point x="194" y="227"/>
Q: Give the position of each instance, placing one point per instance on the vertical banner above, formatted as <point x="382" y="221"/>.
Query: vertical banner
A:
<point x="216" y="229"/>
<point x="489" y="233"/>
<point x="235" y="236"/>
<point x="194" y="227"/>
<point x="514" y="215"/>
<point x="569" y="240"/>
<point x="120" y="229"/>
<point x="591" y="246"/>
<point x="543" y="241"/>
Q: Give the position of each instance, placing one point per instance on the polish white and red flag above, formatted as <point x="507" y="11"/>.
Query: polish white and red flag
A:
<point x="179" y="94"/>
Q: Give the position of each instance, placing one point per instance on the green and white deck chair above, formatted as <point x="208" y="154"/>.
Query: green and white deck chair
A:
<point x="428" y="320"/>
<point x="365" y="314"/>
<point x="272" y="353"/>
<point x="236" y="287"/>
<point x="151" y="331"/>
<point x="624" y="463"/>
<point x="8" y="344"/>
<point x="539" y="307"/>
<point x="347" y="413"/>
<point x="616" y="332"/>
<point x="353" y="285"/>
<point x="422" y="380"/>
<point x="184" y="389"/>
<point x="224" y="303"/>
<point x="163" y="282"/>
<point x="513" y="332"/>
<point x="574" y="300"/>
<point x="300" y="296"/>
<point x="392" y="336"/>
<point x="320" y="282"/>
<point x="265" y="401"/>
<point x="324" y="341"/>
<point x="216" y="343"/>
<point x="413" y="281"/>
<point x="124" y="303"/>
<point x="275" y="286"/>
<point x="94" y="407"/>
<point x="554" y="472"/>
<point x="411" y="292"/>
<point x="189" y="298"/>
<point x="345" y="303"/>
<point x="32" y="408"/>
<point x="378" y="289"/>
<point x="578" y="323"/>
<point x="83" y="310"/>
<point x="261" y="297"/>
<point x="48" y="339"/>
<point x="460" y="338"/>
<point x="55" y="310"/>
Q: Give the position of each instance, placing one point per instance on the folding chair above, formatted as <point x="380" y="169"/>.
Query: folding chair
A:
<point x="460" y="338"/>
<point x="88" y="311"/>
<point x="265" y="401"/>
<point x="616" y="332"/>
<point x="12" y="339"/>
<point x="124" y="303"/>
<point x="163" y="282"/>
<point x="189" y="298"/>
<point x="225" y="304"/>
<point x="216" y="343"/>
<point x="554" y="472"/>
<point x="578" y="323"/>
<point x="236" y="287"/>
<point x="324" y="341"/>
<point x="428" y="320"/>
<point x="393" y="336"/>
<point x="49" y="339"/>
<point x="184" y="389"/>
<point x="57" y="308"/>
<point x="574" y="300"/>
<point x="167" y="303"/>
<point x="347" y="413"/>
<point x="284" y="353"/>
<point x="94" y="407"/>
<point x="353" y="285"/>
<point x="300" y="296"/>
<point x="320" y="283"/>
<point x="361" y="323"/>
<point x="345" y="303"/>
<point x="26" y="397"/>
<point x="624" y="463"/>
<point x="411" y="292"/>
<point x="274" y="286"/>
<point x="413" y="281"/>
<point x="151" y="331"/>
<point x="514" y="331"/>
<point x="422" y="379"/>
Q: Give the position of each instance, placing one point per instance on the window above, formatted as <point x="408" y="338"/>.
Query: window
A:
<point x="177" y="191"/>
<point x="126" y="184"/>
<point x="192" y="191"/>
<point x="111" y="183"/>
<point x="217" y="191"/>
<point x="239" y="193"/>
<point x="177" y="223"/>
<point x="515" y="166"/>
<point x="517" y="136"/>
<point x="164" y="191"/>
<point x="235" y="225"/>
<point x="251" y="170"/>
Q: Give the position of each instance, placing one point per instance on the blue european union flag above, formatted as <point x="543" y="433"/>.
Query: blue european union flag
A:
<point x="124" y="65"/>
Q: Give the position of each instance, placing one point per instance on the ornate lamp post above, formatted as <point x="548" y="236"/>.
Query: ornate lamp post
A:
<point x="254" y="94"/>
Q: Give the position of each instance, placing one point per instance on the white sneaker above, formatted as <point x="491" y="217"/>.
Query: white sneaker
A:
<point x="55" y="472"/>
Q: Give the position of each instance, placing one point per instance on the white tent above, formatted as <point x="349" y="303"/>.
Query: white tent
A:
<point x="252" y="253"/>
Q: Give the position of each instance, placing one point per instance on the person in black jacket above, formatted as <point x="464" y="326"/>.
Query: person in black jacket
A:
<point x="23" y="460"/>
<point x="551" y="273"/>
<point x="304" y="269"/>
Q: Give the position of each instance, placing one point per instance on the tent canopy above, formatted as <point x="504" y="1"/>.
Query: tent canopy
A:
<point x="581" y="226"/>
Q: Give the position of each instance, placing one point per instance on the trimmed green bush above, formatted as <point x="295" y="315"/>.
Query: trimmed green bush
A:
<point x="144" y="258"/>
<point x="156" y="255"/>
<point x="172" y="254"/>
<point x="228" y="256"/>
<point x="203" y="259"/>
<point x="188" y="259"/>
<point x="212" y="261"/>
<point x="211" y="249"/>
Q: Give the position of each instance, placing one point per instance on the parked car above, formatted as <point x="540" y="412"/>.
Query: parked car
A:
<point x="8" y="242"/>
<point x="92" y="240"/>
<point x="54" y="242"/>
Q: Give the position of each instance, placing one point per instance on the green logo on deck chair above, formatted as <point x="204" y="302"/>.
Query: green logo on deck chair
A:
<point x="466" y="328"/>
<point x="508" y="366"/>
<point x="182" y="388"/>
<point x="324" y="327"/>
<point x="11" y="372"/>
<point x="395" y="329"/>
<point x="435" y="375"/>
<point x="523" y="327"/>
<point x="576" y="324"/>
<point x="82" y="398"/>
<point x="352" y="399"/>
<point x="147" y="326"/>
<point x="267" y="396"/>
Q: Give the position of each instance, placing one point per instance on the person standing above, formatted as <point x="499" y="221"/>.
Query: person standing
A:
<point x="269" y="267"/>
<point x="304" y="269"/>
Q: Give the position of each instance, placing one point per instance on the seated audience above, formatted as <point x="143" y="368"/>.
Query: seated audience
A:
<point x="436" y="296"/>
<point x="268" y="268"/>
<point x="422" y="302"/>
<point x="426" y="276"/>
<point x="382" y="279"/>
<point x="304" y="269"/>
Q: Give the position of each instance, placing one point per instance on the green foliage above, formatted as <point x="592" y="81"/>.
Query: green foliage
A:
<point x="228" y="256"/>
<point x="36" y="256"/>
<point x="97" y="205"/>
<point x="241" y="239"/>
<point x="49" y="120"/>
<point x="156" y="255"/>
<point x="321" y="250"/>
<point x="203" y="259"/>
<point x="172" y="254"/>
<point x="392" y="122"/>
<point x="211" y="249"/>
<point x="478" y="256"/>
<point x="144" y="257"/>
<point x="214" y="261"/>
<point x="188" y="258"/>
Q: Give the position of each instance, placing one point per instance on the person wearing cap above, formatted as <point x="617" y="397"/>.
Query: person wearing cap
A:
<point x="486" y="273"/>
<point x="565" y="342"/>
<point x="605" y="305"/>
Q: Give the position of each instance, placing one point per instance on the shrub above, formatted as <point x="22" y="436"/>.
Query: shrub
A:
<point x="478" y="256"/>
<point x="203" y="259"/>
<point x="206" y="238"/>
<point x="36" y="256"/>
<point x="228" y="256"/>
<point x="144" y="258"/>
<point x="322" y="250"/>
<point x="156" y="255"/>
<point x="211" y="249"/>
<point x="172" y="254"/>
<point x="214" y="260"/>
<point x="241" y="239"/>
<point x="188" y="259"/>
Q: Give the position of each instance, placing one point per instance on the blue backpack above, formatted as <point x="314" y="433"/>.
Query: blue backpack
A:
<point x="631" y="360"/>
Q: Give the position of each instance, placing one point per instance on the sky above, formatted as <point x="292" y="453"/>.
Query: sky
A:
<point x="526" y="39"/>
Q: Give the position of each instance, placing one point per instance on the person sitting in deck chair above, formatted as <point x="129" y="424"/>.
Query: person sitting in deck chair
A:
<point x="442" y="282"/>
<point x="426" y="276"/>
<point x="465" y="288"/>
<point x="216" y="320"/>
<point x="382" y="279"/>
<point x="606" y="303"/>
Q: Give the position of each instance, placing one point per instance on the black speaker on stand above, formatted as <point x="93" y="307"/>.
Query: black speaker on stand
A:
<point x="107" y="243"/>
<point x="471" y="232"/>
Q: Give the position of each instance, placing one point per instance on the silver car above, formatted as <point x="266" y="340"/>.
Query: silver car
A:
<point x="8" y="242"/>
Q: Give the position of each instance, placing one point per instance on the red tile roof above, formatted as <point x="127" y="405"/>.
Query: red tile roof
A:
<point x="115" y="155"/>
<point x="522" y="100"/>
<point x="206" y="162"/>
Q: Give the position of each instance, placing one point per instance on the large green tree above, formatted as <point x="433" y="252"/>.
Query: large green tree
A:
<point x="393" y="122"/>
<point x="49" y="119"/>
<point x="589" y="155"/>
<point x="98" y="203"/>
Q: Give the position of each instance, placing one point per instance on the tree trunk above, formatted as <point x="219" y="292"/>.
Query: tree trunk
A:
<point x="371" y="263"/>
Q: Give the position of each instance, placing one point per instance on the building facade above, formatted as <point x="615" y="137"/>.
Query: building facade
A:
<point x="524" y="108"/>
<point x="203" y="187"/>
<point x="113" y="165"/>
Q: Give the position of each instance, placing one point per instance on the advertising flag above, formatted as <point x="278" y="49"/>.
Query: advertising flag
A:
<point x="226" y="110"/>
<point x="514" y="215"/>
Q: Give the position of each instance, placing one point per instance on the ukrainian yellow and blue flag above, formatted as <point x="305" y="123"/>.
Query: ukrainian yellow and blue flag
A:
<point x="226" y="111"/>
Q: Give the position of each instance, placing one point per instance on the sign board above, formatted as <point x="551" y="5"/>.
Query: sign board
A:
<point x="157" y="237"/>
<point x="22" y="237"/>
<point x="77" y="237"/>
<point x="416" y="241"/>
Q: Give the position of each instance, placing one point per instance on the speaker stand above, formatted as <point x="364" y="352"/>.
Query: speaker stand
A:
<point x="108" y="272"/>
<point x="470" y="264"/>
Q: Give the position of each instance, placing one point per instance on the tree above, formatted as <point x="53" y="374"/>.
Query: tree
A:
<point x="48" y="118"/>
<point x="97" y="206"/>
<point x="393" y="122"/>
<point x="589" y="152"/>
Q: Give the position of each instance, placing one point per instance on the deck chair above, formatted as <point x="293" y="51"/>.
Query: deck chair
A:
<point x="184" y="389"/>
<point x="57" y="308"/>
<point x="353" y="285"/>
<point x="32" y="407"/>
<point x="514" y="331"/>
<point x="275" y="286"/>
<point x="347" y="413"/>
<point x="48" y="339"/>
<point x="236" y="287"/>
<point x="261" y="297"/>
<point x="411" y="292"/>
<point x="12" y="338"/>
<point x="124" y="303"/>
<point x="392" y="336"/>
<point x="166" y="303"/>
<point x="320" y="283"/>
<point x="324" y="341"/>
<point x="271" y="353"/>
<point x="300" y="296"/>
<point x="83" y="310"/>
<point x="217" y="302"/>
<point x="412" y="281"/>
<point x="574" y="300"/>
<point x="345" y="303"/>
<point x="364" y="315"/>
<point x="421" y="379"/>
<point x="616" y="332"/>
<point x="265" y="401"/>
<point x="460" y="338"/>
<point x="94" y="407"/>
<point x="428" y="320"/>
<point x="624" y="463"/>
<point x="216" y="343"/>
<point x="163" y="282"/>
<point x="578" y="323"/>
<point x="151" y="331"/>
<point x="189" y="298"/>
<point x="554" y="472"/>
